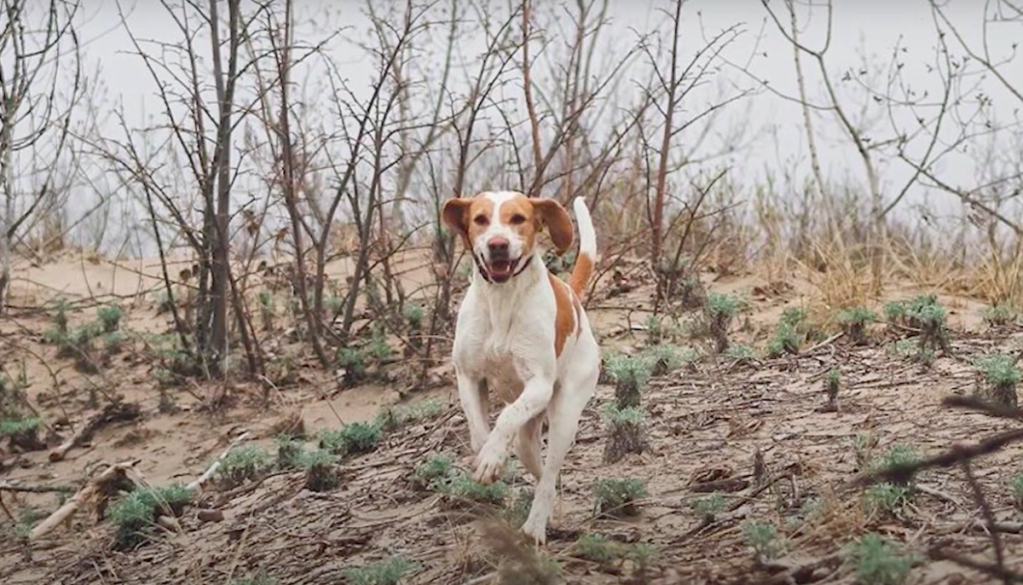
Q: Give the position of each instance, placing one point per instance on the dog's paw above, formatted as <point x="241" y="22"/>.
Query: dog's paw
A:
<point x="490" y="464"/>
<point x="537" y="531"/>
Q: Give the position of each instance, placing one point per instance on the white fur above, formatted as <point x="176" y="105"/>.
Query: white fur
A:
<point x="498" y="229"/>
<point x="505" y="334"/>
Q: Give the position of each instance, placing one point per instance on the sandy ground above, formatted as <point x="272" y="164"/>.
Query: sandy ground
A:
<point x="705" y="423"/>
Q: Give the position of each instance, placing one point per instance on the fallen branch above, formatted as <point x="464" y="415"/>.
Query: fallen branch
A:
<point x="104" y="483"/>
<point x="953" y="456"/>
<point x="974" y="403"/>
<point x="114" y="412"/>
<point x="202" y="479"/>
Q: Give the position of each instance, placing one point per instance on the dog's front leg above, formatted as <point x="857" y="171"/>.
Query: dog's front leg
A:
<point x="536" y="393"/>
<point x="474" y="407"/>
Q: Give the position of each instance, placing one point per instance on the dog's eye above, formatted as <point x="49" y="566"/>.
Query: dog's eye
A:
<point x="480" y="220"/>
<point x="517" y="219"/>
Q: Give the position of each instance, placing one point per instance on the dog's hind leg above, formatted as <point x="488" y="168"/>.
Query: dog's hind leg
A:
<point x="563" y="415"/>
<point x="527" y="446"/>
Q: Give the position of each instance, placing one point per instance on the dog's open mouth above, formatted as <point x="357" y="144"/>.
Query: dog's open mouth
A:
<point x="500" y="270"/>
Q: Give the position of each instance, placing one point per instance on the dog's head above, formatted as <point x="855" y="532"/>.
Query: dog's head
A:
<point x="500" y="228"/>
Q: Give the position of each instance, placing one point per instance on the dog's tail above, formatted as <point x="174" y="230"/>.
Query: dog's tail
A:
<point x="587" y="257"/>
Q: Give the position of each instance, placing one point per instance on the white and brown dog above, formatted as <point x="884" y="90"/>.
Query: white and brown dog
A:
<point x="523" y="331"/>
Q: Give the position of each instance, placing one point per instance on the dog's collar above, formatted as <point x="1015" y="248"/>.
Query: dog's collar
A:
<point x="481" y="267"/>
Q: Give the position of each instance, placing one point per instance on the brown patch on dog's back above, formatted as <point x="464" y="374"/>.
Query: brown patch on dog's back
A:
<point x="566" y="322"/>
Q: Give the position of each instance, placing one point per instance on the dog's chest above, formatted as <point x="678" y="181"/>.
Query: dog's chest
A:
<point x="503" y="379"/>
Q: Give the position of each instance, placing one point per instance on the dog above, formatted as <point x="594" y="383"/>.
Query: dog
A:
<point x="522" y="333"/>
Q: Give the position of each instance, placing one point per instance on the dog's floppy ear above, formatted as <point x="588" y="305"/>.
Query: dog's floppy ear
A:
<point x="455" y="214"/>
<point x="559" y="225"/>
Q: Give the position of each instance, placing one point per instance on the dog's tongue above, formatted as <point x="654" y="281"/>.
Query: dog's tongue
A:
<point x="500" y="269"/>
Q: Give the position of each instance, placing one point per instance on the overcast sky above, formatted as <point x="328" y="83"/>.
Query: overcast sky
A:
<point x="865" y="34"/>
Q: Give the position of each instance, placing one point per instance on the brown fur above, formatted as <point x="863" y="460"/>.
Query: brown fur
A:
<point x="566" y="321"/>
<point x="581" y="273"/>
<point x="460" y="215"/>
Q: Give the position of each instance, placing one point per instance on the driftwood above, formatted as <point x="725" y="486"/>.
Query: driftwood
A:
<point x="103" y="483"/>
<point x="113" y="412"/>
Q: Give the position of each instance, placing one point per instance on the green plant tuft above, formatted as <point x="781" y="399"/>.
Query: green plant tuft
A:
<point x="1003" y="376"/>
<point x="854" y="322"/>
<point x="386" y="572"/>
<point x="999" y="315"/>
<point x="630" y="375"/>
<point x="763" y="538"/>
<point x="353" y="438"/>
<point x="886" y="497"/>
<point x="110" y="317"/>
<point x="878" y="562"/>
<point x="464" y="487"/>
<point x="242" y="464"/>
<point x="1016" y="489"/>
<point x="321" y="473"/>
<point x="707" y="507"/>
<point x="720" y="311"/>
<point x="619" y="496"/>
<point x="627" y="432"/>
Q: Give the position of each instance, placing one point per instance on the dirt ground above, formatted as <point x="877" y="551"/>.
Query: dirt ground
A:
<point x="705" y="424"/>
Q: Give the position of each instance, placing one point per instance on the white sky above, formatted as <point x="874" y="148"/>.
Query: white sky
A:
<point x="865" y="31"/>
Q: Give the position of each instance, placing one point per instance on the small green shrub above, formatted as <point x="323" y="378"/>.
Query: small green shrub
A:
<point x="832" y="384"/>
<point x="627" y="433"/>
<point x="604" y="550"/>
<point x="168" y="500"/>
<point x="413" y="315"/>
<point x="396" y="416"/>
<point x="897" y="455"/>
<point x="720" y="311"/>
<point x="999" y="315"/>
<point x="1002" y="375"/>
<point x="386" y="572"/>
<point x="436" y="468"/>
<point x="740" y="352"/>
<point x="925" y="314"/>
<point x="630" y="375"/>
<point x="353" y="363"/>
<point x="60" y="320"/>
<point x="912" y="351"/>
<point x="260" y="579"/>
<point x="707" y="507"/>
<point x="763" y="538"/>
<point x="784" y="340"/>
<point x="597" y="548"/>
<point x="132" y="515"/>
<point x="619" y="496"/>
<point x="886" y="497"/>
<point x="332" y="304"/>
<point x="289" y="452"/>
<point x="113" y="342"/>
<point x="665" y="358"/>
<point x="1016" y="489"/>
<point x="464" y="487"/>
<point x="353" y="438"/>
<point x="110" y="317"/>
<point x="320" y="472"/>
<point x="11" y="427"/>
<point x="854" y="322"/>
<point x="242" y="464"/>
<point x="23" y="433"/>
<point x="878" y="562"/>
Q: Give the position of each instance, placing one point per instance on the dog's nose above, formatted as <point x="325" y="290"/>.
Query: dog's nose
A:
<point x="498" y="245"/>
